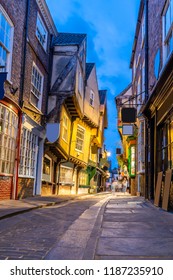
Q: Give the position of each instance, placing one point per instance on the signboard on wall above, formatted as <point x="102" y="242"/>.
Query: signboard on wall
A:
<point x="132" y="161"/>
<point x="127" y="129"/>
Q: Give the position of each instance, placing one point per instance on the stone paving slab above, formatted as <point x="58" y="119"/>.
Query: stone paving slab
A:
<point x="136" y="217"/>
<point x="153" y="246"/>
<point x="118" y="211"/>
<point x="125" y="205"/>
<point x="125" y="225"/>
<point x="136" y="231"/>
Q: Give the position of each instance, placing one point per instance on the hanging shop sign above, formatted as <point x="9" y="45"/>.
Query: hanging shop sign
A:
<point x="118" y="151"/>
<point x="132" y="161"/>
<point x="127" y="129"/>
<point x="128" y="115"/>
<point x="52" y="131"/>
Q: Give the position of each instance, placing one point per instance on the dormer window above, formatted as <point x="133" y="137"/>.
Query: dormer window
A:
<point x="41" y="32"/>
<point x="91" y="98"/>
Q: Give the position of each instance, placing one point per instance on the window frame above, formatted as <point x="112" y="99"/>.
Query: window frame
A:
<point x="44" y="175"/>
<point x="26" y="154"/>
<point x="92" y="97"/>
<point x="69" y="180"/>
<point x="9" y="52"/>
<point x="41" y="90"/>
<point x="167" y="34"/>
<point x="80" y="139"/>
<point x="65" y="128"/>
<point x="44" y="44"/>
<point x="8" y="136"/>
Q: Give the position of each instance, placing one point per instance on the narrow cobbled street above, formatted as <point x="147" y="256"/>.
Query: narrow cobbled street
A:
<point x="106" y="226"/>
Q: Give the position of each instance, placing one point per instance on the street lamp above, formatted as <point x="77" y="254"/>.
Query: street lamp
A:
<point x="108" y="154"/>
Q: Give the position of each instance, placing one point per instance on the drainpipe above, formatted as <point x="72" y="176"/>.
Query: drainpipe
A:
<point x="146" y="99"/>
<point x="21" y="93"/>
<point x="25" y="35"/>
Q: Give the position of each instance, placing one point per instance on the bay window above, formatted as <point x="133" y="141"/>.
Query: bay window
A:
<point x="8" y="134"/>
<point x="29" y="143"/>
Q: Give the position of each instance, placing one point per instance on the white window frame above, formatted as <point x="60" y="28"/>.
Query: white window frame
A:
<point x="28" y="156"/>
<point x="8" y="135"/>
<point x="82" y="129"/>
<point x="39" y="34"/>
<point x="67" y="179"/>
<point x="167" y="35"/>
<point x="65" y="128"/>
<point x="7" y="50"/>
<point x="47" y="177"/>
<point x="92" y="98"/>
<point x="34" y="87"/>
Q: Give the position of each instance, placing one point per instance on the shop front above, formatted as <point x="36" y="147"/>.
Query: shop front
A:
<point x="159" y="112"/>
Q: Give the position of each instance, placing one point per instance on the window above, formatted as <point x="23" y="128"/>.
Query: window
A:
<point x="143" y="82"/>
<point x="139" y="94"/>
<point x="41" y="32"/>
<point x="91" y="98"/>
<point x="8" y="134"/>
<point x="47" y="169"/>
<point x="36" y="86"/>
<point x="80" y="84"/>
<point x="65" y="128"/>
<point x="168" y="28"/>
<point x="6" y="38"/>
<point x="28" y="153"/>
<point x="80" y="138"/>
<point x="143" y="29"/>
<point x="83" y="178"/>
<point x="134" y="68"/>
<point x="66" y="175"/>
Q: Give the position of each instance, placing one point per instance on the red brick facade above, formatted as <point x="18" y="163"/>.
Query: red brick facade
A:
<point x="26" y="50"/>
<point x="5" y="187"/>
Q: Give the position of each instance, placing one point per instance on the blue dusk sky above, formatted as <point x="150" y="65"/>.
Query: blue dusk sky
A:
<point x="110" y="28"/>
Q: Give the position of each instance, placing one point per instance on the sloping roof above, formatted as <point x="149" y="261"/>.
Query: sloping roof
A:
<point x="102" y="96"/>
<point x="89" y="67"/>
<point x="64" y="39"/>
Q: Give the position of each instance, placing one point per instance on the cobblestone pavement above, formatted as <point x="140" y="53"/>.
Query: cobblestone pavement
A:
<point x="31" y="235"/>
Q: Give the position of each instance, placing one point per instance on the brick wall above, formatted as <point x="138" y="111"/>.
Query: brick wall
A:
<point x="16" y="12"/>
<point x="25" y="187"/>
<point x="5" y="187"/>
<point x="155" y="35"/>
